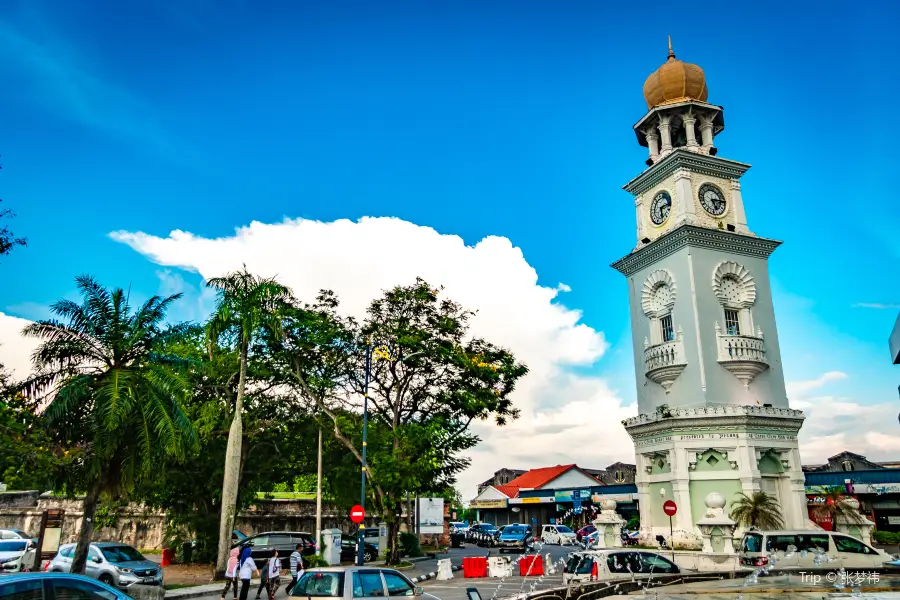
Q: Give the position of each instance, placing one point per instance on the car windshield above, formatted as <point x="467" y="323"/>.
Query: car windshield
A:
<point x="313" y="584"/>
<point x="513" y="530"/>
<point x="488" y="528"/>
<point x="117" y="554"/>
<point x="563" y="529"/>
<point x="13" y="546"/>
<point x="20" y="532"/>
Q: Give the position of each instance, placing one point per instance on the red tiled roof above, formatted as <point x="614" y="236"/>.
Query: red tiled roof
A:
<point x="538" y="478"/>
<point x="510" y="490"/>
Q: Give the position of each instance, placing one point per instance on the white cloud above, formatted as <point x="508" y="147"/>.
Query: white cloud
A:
<point x="835" y="424"/>
<point x="15" y="350"/>
<point x="876" y="305"/>
<point x="359" y="259"/>
<point x="798" y="388"/>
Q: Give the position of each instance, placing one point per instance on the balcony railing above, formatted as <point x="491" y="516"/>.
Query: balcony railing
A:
<point x="743" y="355"/>
<point x="664" y="362"/>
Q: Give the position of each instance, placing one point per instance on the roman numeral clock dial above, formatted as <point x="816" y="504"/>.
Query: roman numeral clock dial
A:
<point x="660" y="208"/>
<point x="712" y="199"/>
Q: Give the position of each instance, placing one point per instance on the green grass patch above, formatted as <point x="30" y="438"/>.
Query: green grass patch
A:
<point x="288" y="495"/>
<point x="149" y="550"/>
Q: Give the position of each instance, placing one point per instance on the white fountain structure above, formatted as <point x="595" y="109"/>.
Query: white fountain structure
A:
<point x="716" y="529"/>
<point x="609" y="526"/>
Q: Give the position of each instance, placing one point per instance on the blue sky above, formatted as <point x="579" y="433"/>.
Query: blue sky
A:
<point x="475" y="118"/>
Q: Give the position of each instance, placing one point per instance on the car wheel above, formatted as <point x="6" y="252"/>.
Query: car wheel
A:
<point x="368" y="557"/>
<point x="105" y="578"/>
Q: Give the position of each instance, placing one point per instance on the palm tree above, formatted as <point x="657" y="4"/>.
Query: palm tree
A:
<point x="107" y="387"/>
<point x="759" y="510"/>
<point x="246" y="305"/>
<point x="837" y="505"/>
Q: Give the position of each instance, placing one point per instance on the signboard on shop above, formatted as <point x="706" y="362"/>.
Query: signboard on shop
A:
<point x="487" y="504"/>
<point x="533" y="500"/>
<point x="568" y="495"/>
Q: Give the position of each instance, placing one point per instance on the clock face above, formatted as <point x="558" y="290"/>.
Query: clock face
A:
<point x="660" y="208"/>
<point x="712" y="199"/>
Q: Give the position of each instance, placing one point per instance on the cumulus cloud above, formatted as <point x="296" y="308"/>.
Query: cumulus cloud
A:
<point x="834" y="424"/>
<point x="360" y="259"/>
<point x="15" y="351"/>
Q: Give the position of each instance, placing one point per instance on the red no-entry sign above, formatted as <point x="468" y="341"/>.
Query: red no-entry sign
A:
<point x="670" y="508"/>
<point x="357" y="514"/>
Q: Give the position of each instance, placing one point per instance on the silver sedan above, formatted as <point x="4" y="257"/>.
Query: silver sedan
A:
<point x="354" y="583"/>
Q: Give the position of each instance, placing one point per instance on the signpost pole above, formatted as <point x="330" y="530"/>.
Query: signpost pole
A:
<point x="672" y="537"/>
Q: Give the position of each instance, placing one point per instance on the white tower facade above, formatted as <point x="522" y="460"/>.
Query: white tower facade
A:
<point x="714" y="415"/>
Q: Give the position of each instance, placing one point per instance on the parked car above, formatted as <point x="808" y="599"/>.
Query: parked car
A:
<point x="584" y="531"/>
<point x="350" y="583"/>
<point x="16" y="555"/>
<point x="34" y="586"/>
<point x="112" y="563"/>
<point x="15" y="534"/>
<point x="349" y="550"/>
<point x="558" y="534"/>
<point x="758" y="546"/>
<point x="590" y="540"/>
<point x="372" y="535"/>
<point x="459" y="527"/>
<point x="602" y="565"/>
<point x="264" y="545"/>
<point x="515" y="538"/>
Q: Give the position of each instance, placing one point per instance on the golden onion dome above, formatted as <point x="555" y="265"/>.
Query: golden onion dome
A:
<point x="675" y="81"/>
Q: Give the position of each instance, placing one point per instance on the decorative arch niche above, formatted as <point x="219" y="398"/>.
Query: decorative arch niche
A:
<point x="733" y="285"/>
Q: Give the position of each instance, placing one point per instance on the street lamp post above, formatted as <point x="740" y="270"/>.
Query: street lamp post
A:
<point x="382" y="353"/>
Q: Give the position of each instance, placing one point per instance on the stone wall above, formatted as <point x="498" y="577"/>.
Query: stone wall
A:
<point x="141" y="527"/>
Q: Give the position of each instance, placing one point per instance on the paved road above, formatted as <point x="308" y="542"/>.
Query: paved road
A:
<point x="490" y="589"/>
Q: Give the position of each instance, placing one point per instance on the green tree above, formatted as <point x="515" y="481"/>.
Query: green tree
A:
<point x="8" y="240"/>
<point x="29" y="458"/>
<point x="247" y="305"/>
<point x="837" y="505"/>
<point x="758" y="510"/>
<point x="109" y="391"/>
<point x="429" y="381"/>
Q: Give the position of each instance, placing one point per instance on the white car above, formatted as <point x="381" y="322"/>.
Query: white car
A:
<point x="457" y="527"/>
<point x="14" y="534"/>
<point x="16" y="555"/>
<point x="558" y="534"/>
<point x="603" y="565"/>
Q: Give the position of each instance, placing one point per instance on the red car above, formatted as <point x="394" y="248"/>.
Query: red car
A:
<point x="586" y="530"/>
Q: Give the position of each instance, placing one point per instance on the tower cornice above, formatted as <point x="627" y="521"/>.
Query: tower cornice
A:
<point x="712" y="417"/>
<point x="682" y="158"/>
<point x="700" y="237"/>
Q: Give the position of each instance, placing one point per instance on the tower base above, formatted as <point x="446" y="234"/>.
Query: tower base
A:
<point x="685" y="454"/>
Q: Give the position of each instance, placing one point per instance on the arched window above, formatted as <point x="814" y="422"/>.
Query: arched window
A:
<point x="658" y="300"/>
<point x="735" y="289"/>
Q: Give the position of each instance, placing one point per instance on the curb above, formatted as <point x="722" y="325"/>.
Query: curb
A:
<point x="432" y="575"/>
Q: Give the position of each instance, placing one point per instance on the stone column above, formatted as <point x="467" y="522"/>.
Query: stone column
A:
<point x="688" y="120"/>
<point x="706" y="132"/>
<point x="740" y="217"/>
<point x="682" y="495"/>
<point x="644" y="508"/>
<point x="638" y="205"/>
<point x="665" y="133"/>
<point x="652" y="143"/>
<point x="684" y="197"/>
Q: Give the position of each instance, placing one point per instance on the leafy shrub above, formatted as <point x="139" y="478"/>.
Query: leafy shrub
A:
<point x="886" y="537"/>
<point x="409" y="544"/>
<point x="314" y="561"/>
<point x="634" y="523"/>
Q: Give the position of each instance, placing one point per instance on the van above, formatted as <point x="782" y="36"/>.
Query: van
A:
<point x="603" y="565"/>
<point x="758" y="548"/>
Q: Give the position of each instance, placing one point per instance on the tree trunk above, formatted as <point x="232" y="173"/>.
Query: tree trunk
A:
<point x="392" y="556"/>
<point x="79" y="561"/>
<point x="232" y="471"/>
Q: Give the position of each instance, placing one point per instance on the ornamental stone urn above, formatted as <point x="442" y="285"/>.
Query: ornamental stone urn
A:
<point x="716" y="529"/>
<point x="609" y="526"/>
<point x="854" y="524"/>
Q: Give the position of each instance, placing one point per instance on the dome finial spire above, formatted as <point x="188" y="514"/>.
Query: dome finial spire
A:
<point x="671" y="52"/>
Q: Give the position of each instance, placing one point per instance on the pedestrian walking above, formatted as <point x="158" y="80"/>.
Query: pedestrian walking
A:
<point x="263" y="578"/>
<point x="231" y="574"/>
<point x="246" y="571"/>
<point x="296" y="565"/>
<point x="274" y="575"/>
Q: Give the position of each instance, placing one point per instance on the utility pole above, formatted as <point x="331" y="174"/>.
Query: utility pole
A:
<point x="319" y="493"/>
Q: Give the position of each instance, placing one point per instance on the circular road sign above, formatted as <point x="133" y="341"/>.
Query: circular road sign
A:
<point x="358" y="513"/>
<point x="670" y="508"/>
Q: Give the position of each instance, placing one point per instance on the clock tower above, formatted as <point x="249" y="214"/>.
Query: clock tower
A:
<point x="713" y="412"/>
